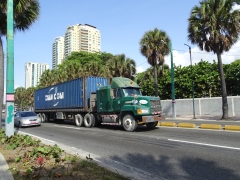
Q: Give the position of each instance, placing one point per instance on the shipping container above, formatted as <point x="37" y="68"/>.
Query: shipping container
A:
<point x="74" y="94"/>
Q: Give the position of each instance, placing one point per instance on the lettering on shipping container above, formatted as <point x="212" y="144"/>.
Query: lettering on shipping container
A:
<point x="55" y="96"/>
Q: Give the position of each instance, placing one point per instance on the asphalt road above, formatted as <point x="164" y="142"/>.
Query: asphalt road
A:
<point x="163" y="153"/>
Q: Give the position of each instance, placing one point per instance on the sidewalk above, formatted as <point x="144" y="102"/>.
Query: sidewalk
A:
<point x="204" y="117"/>
<point x="5" y="174"/>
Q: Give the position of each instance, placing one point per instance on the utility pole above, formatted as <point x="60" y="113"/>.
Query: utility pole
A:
<point x="9" y="119"/>
<point x="172" y="81"/>
<point x="192" y="80"/>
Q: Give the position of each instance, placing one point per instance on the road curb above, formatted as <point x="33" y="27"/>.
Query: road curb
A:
<point x="169" y="124"/>
<point x="210" y="126"/>
<point x="232" y="127"/>
<point x="187" y="125"/>
<point x="202" y="126"/>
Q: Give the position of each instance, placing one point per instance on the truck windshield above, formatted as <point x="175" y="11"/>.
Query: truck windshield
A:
<point x="131" y="91"/>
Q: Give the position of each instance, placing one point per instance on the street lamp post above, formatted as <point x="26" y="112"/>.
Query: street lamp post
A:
<point x="9" y="124"/>
<point x="192" y="80"/>
<point x="172" y="82"/>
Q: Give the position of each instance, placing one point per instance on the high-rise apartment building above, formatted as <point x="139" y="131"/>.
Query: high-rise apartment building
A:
<point x="57" y="51"/>
<point x="81" y="38"/>
<point x="33" y="72"/>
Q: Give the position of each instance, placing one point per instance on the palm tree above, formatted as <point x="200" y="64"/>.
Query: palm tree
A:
<point x="94" y="69"/>
<point x="120" y="66"/>
<point x="19" y="96"/>
<point x="214" y="26"/>
<point x="149" y="73"/>
<point x="74" y="70"/>
<point x="154" y="45"/>
<point x="129" y="68"/>
<point x="30" y="97"/>
<point x="45" y="79"/>
<point x="26" y="13"/>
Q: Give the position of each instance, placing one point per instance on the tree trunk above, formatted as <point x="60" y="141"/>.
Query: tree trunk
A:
<point x="223" y="87"/>
<point x="155" y="80"/>
<point x="1" y="79"/>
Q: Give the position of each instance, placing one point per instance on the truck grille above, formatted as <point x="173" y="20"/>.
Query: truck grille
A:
<point x="155" y="106"/>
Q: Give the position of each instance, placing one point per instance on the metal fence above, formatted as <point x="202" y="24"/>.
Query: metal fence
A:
<point x="203" y="106"/>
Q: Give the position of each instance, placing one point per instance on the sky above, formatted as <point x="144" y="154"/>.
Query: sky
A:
<point x="121" y="23"/>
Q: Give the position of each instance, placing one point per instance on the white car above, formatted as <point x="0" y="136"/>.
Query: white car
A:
<point x="26" y="118"/>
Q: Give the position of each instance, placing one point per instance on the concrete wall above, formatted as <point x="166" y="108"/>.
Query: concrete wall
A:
<point x="203" y="106"/>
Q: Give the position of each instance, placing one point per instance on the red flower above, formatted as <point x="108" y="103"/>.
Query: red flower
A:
<point x="40" y="160"/>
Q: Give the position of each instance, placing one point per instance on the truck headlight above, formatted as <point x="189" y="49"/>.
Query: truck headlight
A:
<point x="142" y="111"/>
<point x="134" y="101"/>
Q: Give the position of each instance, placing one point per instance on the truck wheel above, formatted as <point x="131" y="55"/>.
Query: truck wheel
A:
<point x="151" y="125"/>
<point x="43" y="117"/>
<point x="88" y="120"/>
<point x="47" y="117"/>
<point x="129" y="123"/>
<point x="78" y="120"/>
<point x="96" y="121"/>
<point x="40" y="116"/>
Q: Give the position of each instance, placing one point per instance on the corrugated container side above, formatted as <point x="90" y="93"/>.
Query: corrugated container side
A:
<point x="65" y="95"/>
<point x="68" y="95"/>
<point x="92" y="85"/>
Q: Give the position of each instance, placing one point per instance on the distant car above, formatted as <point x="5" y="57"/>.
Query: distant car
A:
<point x="3" y="111"/>
<point x="26" y="118"/>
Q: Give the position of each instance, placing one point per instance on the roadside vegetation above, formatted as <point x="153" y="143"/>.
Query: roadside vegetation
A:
<point x="205" y="76"/>
<point x="28" y="158"/>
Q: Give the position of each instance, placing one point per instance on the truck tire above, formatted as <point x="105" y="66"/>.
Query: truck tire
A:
<point x="78" y="120"/>
<point x="43" y="117"/>
<point x="40" y="116"/>
<point x="96" y="121"/>
<point x="88" y="120"/>
<point x="151" y="125"/>
<point x="129" y="123"/>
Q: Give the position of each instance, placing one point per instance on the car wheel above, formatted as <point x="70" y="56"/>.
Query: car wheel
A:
<point x="129" y="123"/>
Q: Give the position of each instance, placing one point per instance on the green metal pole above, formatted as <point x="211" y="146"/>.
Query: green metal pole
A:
<point x="173" y="88"/>
<point x="192" y="83"/>
<point x="9" y="122"/>
<point x="192" y="80"/>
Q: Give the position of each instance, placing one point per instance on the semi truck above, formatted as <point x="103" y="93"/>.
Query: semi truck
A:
<point x="91" y="101"/>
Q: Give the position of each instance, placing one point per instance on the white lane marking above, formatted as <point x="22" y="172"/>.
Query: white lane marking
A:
<point x="37" y="137"/>
<point x="67" y="127"/>
<point x="204" y="144"/>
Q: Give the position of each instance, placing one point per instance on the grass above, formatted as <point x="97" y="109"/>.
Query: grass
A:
<point x="28" y="158"/>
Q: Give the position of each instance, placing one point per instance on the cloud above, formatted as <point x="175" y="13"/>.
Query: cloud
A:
<point x="236" y="7"/>
<point x="183" y="57"/>
<point x="140" y="69"/>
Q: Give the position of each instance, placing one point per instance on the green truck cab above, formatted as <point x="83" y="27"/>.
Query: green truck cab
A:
<point x="122" y="103"/>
